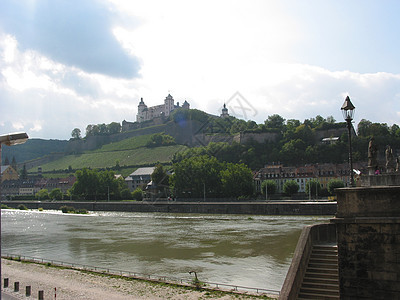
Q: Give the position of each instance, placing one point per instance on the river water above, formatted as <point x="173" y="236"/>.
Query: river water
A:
<point x="252" y="251"/>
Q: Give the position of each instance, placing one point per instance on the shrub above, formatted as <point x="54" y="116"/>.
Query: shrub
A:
<point x="67" y="209"/>
<point x="334" y="184"/>
<point x="22" y="207"/>
<point x="137" y="194"/>
<point x="290" y="187"/>
<point x="71" y="210"/>
<point x="40" y="209"/>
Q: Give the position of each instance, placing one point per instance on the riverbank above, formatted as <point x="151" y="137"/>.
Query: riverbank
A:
<point x="68" y="283"/>
<point x="295" y="208"/>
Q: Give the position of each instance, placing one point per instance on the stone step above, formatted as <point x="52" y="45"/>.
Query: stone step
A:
<point x="307" y="296"/>
<point x="324" y="261"/>
<point x="322" y="270"/>
<point x="321" y="280"/>
<point x="329" y="285"/>
<point x="318" y="291"/>
<point x="318" y="279"/>
<point x="323" y="265"/>
<point x="325" y="251"/>
<point x="323" y="255"/>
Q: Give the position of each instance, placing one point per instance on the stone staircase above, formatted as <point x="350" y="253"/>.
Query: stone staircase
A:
<point x="321" y="280"/>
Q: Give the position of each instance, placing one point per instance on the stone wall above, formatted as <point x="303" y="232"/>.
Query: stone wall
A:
<point x="250" y="208"/>
<point x="368" y="235"/>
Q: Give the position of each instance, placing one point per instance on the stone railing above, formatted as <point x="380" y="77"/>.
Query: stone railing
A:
<point x="310" y="235"/>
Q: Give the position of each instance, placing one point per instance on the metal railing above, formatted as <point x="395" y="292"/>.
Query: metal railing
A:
<point x="138" y="275"/>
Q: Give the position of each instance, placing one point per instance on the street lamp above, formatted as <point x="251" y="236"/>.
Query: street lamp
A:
<point x="9" y="140"/>
<point x="348" y="114"/>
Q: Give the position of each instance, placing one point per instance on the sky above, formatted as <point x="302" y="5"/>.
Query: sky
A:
<point x="65" y="64"/>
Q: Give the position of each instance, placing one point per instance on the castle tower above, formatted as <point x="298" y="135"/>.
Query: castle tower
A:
<point x="142" y="109"/>
<point x="168" y="105"/>
<point x="224" y="112"/>
<point x="186" y="105"/>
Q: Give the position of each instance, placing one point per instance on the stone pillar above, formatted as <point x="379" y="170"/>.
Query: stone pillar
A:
<point x="368" y="236"/>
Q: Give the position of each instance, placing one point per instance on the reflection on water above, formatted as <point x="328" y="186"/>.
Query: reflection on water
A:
<point x="252" y="251"/>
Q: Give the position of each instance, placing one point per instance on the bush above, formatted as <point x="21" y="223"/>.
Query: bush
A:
<point x="22" y="207"/>
<point x="3" y="206"/>
<point x="71" y="210"/>
<point x="290" y="187"/>
<point x="137" y="194"/>
<point x="67" y="209"/>
<point x="334" y="184"/>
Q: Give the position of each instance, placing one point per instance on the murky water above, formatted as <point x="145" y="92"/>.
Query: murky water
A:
<point x="253" y="251"/>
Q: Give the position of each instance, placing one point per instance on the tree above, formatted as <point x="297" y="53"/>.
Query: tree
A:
<point x="237" y="180"/>
<point x="14" y="164"/>
<point x="275" y="121"/>
<point x="334" y="184"/>
<point x="76" y="134"/>
<point x="86" y="185"/>
<point x="293" y="151"/>
<point x="315" y="187"/>
<point x="160" y="139"/>
<point x="109" y="186"/>
<point x="126" y="194"/>
<point x="290" y="187"/>
<point x="195" y="175"/>
<point x="95" y="185"/>
<point x="56" y="194"/>
<point x="43" y="194"/>
<point x="137" y="194"/>
<point x="24" y="173"/>
<point x="114" y="128"/>
<point x="270" y="185"/>
<point x="160" y="178"/>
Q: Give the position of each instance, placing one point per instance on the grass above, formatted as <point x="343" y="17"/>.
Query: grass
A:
<point x="107" y="159"/>
<point x="127" y="144"/>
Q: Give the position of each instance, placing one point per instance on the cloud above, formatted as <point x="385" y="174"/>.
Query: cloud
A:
<point x="74" y="33"/>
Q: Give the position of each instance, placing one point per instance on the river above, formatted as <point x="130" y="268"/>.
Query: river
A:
<point x="252" y="251"/>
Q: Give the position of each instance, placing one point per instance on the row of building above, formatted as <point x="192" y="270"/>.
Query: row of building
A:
<point x="323" y="173"/>
<point x="141" y="178"/>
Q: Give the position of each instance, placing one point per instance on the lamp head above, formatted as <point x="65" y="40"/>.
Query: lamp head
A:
<point x="348" y="109"/>
<point x="14" y="138"/>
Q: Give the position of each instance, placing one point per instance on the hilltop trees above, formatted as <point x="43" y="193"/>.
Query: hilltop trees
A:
<point x="76" y="134"/>
<point x="103" y="129"/>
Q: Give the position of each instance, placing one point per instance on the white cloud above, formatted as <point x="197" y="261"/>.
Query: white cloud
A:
<point x="200" y="52"/>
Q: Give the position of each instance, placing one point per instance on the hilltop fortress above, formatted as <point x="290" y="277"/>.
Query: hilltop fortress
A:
<point x="149" y="113"/>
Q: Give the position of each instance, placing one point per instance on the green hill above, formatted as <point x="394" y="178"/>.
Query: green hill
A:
<point x="33" y="149"/>
<point x="130" y="154"/>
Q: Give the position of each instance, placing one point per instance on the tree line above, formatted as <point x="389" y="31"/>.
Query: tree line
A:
<point x="296" y="142"/>
<point x="97" y="129"/>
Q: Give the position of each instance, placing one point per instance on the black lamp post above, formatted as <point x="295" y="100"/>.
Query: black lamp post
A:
<point x="348" y="113"/>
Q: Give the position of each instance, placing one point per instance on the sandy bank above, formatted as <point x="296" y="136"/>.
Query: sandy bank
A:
<point x="74" y="284"/>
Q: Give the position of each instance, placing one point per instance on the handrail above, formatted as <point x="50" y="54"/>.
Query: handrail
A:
<point x="138" y="275"/>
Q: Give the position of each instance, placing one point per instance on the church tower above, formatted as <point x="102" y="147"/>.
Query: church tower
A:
<point x="224" y="112"/>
